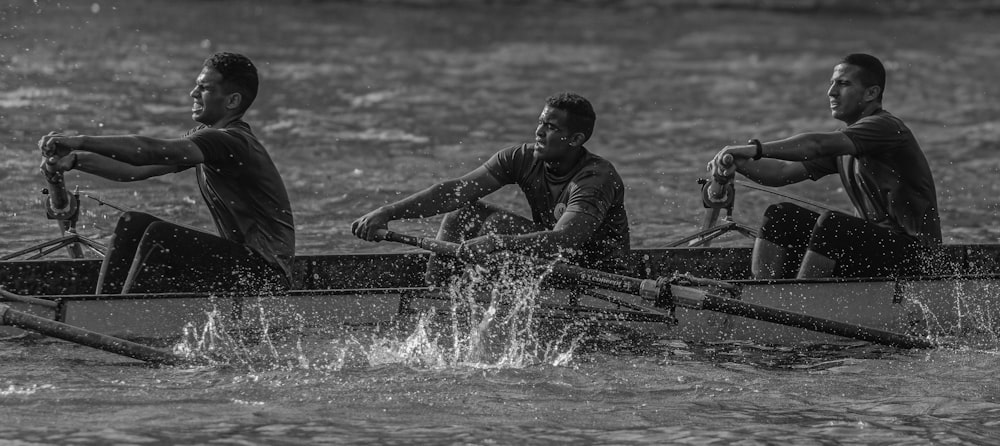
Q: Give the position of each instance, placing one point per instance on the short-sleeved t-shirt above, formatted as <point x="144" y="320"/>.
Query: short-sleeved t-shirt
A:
<point x="245" y="193"/>
<point x="889" y="180"/>
<point x="593" y="187"/>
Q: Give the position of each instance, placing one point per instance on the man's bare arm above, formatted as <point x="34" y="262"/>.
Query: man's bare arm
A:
<point x="132" y="149"/>
<point x="781" y="161"/>
<point x="442" y="197"/>
<point x="572" y="230"/>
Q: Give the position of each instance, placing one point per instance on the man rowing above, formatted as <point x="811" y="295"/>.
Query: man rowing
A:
<point x="882" y="168"/>
<point x="576" y="199"/>
<point x="240" y="184"/>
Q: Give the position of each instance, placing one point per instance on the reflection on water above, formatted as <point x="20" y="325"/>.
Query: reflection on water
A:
<point x="364" y="102"/>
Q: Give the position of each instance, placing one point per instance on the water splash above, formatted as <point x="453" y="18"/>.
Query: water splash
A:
<point x="488" y="322"/>
<point x="246" y="337"/>
<point x="971" y="319"/>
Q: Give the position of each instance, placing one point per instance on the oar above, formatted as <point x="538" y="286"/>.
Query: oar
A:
<point x="7" y="295"/>
<point x="81" y="336"/>
<point x="665" y="294"/>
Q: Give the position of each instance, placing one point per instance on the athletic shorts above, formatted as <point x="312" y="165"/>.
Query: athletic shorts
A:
<point x="859" y="247"/>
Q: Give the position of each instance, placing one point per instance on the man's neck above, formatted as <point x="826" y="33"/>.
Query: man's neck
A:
<point x="869" y="110"/>
<point x="225" y="121"/>
<point x="565" y="165"/>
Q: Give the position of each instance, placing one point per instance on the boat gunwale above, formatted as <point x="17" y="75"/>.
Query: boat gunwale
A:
<point x="319" y="292"/>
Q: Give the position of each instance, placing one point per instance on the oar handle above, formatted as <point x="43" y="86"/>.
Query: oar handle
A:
<point x="58" y="195"/>
<point x="432" y="245"/>
<point x="717" y="191"/>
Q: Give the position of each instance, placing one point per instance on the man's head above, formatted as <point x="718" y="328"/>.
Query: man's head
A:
<point x="857" y="85"/>
<point x="872" y="71"/>
<point x="226" y="86"/>
<point x="580" y="114"/>
<point x="566" y="122"/>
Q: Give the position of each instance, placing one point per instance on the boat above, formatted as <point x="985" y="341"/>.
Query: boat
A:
<point x="372" y="288"/>
<point x="693" y="292"/>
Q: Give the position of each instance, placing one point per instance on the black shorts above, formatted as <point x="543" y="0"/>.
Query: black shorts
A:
<point x="859" y="247"/>
<point x="175" y="258"/>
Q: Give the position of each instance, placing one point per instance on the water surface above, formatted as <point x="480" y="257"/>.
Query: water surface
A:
<point x="364" y="102"/>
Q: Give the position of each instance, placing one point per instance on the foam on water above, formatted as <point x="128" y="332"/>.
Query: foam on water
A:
<point x="489" y="322"/>
<point x="970" y="320"/>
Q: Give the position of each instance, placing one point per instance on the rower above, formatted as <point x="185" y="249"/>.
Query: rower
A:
<point x="240" y="184"/>
<point x="576" y="199"/>
<point x="882" y="168"/>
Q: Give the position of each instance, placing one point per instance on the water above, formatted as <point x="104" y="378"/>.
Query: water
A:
<point x="363" y="102"/>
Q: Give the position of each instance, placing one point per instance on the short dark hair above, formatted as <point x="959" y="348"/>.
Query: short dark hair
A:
<point x="581" y="113"/>
<point x="872" y="70"/>
<point x="239" y="75"/>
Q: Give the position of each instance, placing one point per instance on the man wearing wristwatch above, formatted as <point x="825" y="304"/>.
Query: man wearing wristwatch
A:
<point x="882" y="168"/>
<point x="576" y="199"/>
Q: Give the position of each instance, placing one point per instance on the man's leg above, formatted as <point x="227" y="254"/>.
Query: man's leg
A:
<point x="474" y="220"/>
<point x="171" y="257"/>
<point x="768" y="260"/>
<point x="815" y="264"/>
<point x="783" y="237"/>
<point x="846" y="246"/>
<point x="121" y="250"/>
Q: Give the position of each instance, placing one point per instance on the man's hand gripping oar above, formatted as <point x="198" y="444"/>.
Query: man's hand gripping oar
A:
<point x="61" y="206"/>
<point x="656" y="295"/>
<point x="717" y="194"/>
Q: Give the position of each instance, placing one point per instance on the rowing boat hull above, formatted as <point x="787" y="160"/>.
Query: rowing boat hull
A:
<point x="372" y="288"/>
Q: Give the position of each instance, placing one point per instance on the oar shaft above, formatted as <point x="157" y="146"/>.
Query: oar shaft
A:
<point x="85" y="337"/>
<point x="693" y="298"/>
<point x="432" y="245"/>
<point x="27" y="300"/>
<point x="768" y="314"/>
<point x="610" y="281"/>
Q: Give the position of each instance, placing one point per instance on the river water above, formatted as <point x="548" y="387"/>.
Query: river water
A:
<point x="362" y="102"/>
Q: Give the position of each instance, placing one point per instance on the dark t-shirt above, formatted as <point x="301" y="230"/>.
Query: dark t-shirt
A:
<point x="889" y="180"/>
<point x="245" y="193"/>
<point x="593" y="187"/>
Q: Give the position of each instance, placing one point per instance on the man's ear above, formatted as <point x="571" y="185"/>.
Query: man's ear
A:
<point x="577" y="139"/>
<point x="871" y="93"/>
<point x="233" y="101"/>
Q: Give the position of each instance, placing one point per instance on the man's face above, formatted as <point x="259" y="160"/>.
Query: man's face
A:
<point x="848" y="96"/>
<point x="210" y="100"/>
<point x="552" y="136"/>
